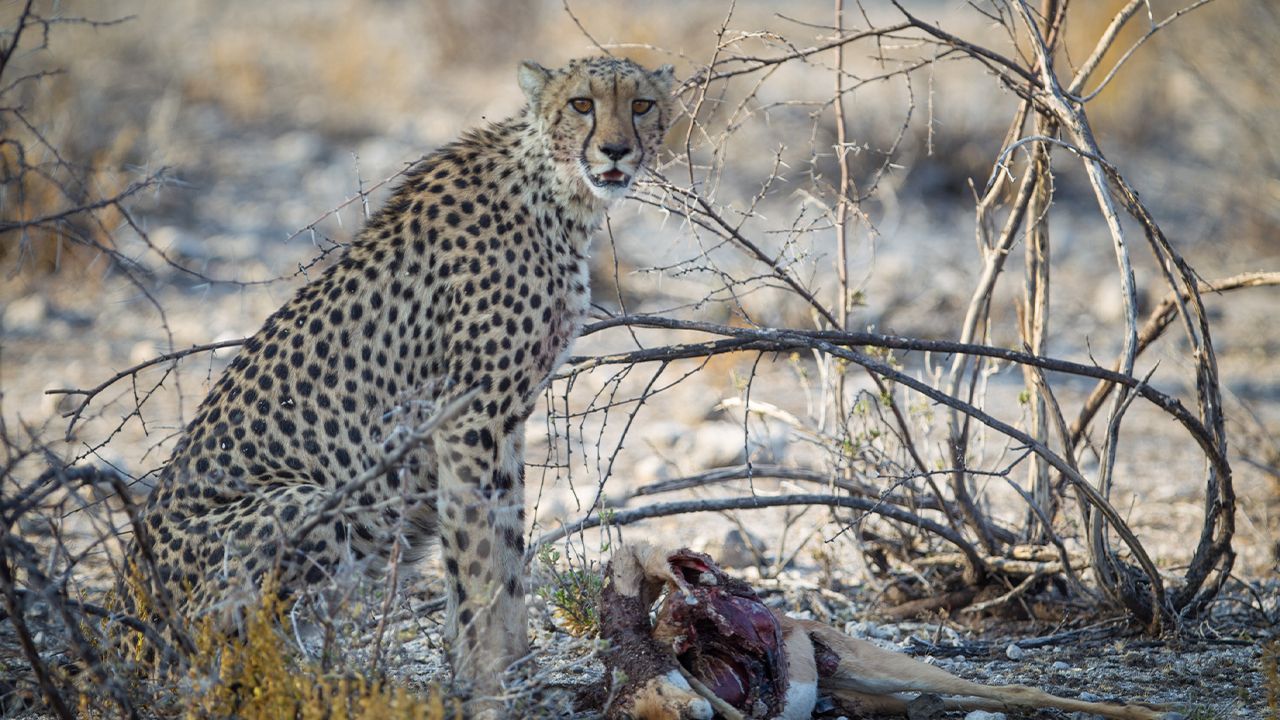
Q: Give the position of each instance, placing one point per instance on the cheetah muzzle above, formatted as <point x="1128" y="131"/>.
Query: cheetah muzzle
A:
<point x="473" y="276"/>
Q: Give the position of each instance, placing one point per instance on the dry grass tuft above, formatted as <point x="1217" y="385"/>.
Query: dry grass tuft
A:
<point x="255" y="675"/>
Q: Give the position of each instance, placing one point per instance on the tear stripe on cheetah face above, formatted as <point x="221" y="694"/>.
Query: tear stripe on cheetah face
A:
<point x="606" y="118"/>
<point x="473" y="275"/>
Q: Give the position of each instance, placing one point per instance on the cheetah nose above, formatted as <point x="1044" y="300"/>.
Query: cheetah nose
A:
<point x="615" y="151"/>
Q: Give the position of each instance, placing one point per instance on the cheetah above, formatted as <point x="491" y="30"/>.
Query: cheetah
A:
<point x="472" y="276"/>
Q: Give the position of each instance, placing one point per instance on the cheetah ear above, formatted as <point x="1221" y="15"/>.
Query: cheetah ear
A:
<point x="533" y="78"/>
<point x="665" y="76"/>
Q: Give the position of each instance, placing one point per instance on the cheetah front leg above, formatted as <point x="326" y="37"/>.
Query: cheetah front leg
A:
<point x="481" y="516"/>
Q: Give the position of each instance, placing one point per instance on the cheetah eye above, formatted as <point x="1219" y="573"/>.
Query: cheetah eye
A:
<point x="641" y="107"/>
<point x="582" y="105"/>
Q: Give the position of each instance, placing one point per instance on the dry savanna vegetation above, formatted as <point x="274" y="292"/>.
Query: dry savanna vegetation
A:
<point x="950" y="324"/>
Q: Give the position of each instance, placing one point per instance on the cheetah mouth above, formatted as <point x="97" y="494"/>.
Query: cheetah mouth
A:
<point x="614" y="178"/>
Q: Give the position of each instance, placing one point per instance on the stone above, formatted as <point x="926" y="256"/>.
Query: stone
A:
<point x="24" y="314"/>
<point x="734" y="549"/>
<point x="925" y="706"/>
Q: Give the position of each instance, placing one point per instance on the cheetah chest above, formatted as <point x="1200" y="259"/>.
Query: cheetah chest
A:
<point x="567" y="310"/>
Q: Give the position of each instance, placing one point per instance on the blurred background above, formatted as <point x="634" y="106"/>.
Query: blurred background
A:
<point x="264" y="118"/>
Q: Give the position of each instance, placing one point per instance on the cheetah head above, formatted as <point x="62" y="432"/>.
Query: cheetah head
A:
<point x="603" y="118"/>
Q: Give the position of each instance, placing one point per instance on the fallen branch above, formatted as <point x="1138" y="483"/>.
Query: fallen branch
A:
<point x="780" y="340"/>
<point x="757" y="502"/>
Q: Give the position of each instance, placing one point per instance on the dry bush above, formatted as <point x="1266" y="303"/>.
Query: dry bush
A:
<point x="64" y="194"/>
<point x="779" y="192"/>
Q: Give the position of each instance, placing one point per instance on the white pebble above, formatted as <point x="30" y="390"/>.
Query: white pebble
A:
<point x="25" y="314"/>
<point x="1013" y="652"/>
<point x="1059" y="665"/>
